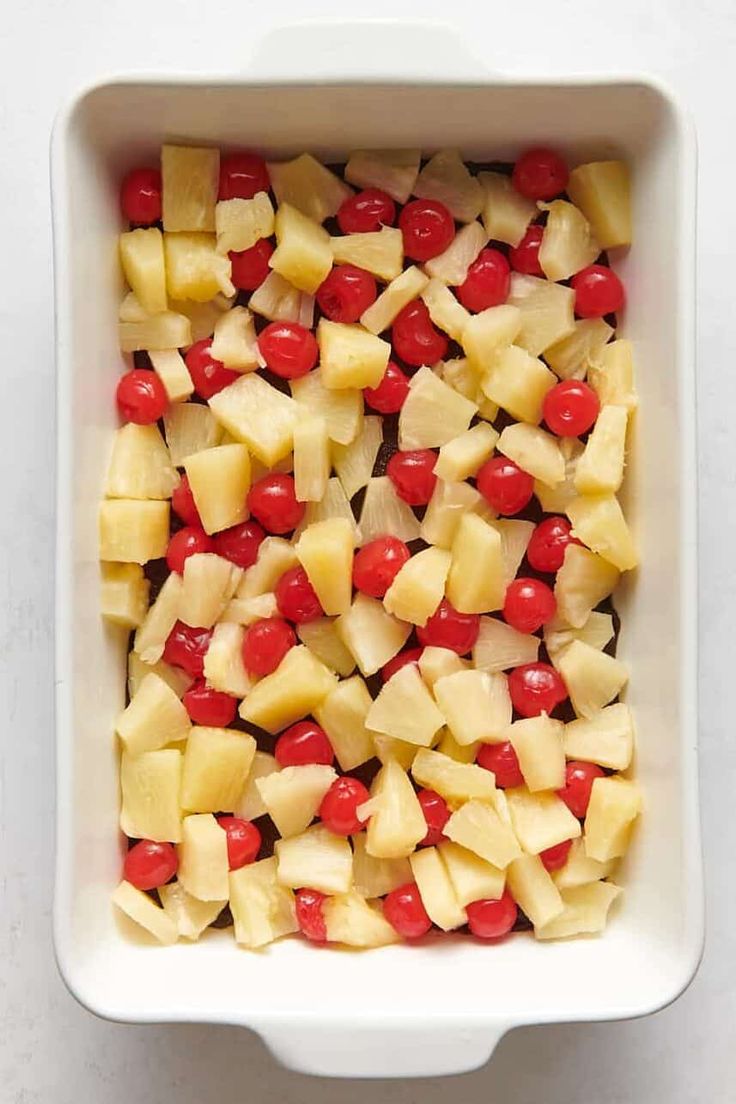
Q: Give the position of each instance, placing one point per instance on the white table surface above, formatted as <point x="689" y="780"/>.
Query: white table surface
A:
<point x="52" y="1051"/>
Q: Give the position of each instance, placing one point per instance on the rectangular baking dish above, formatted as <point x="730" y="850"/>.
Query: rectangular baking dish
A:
<point x="397" y="1011"/>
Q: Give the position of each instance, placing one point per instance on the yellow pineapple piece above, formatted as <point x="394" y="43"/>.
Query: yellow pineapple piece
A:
<point x="342" y="715"/>
<point x="194" y="268"/>
<point x="572" y="356"/>
<point x="436" y="663"/>
<point x="169" y="366"/>
<point x="464" y="377"/>
<point x="448" y="504"/>
<point x="202" y="316"/>
<point x="203" y="861"/>
<point x="258" y="415"/>
<point x="150" y="784"/>
<point x="540" y="820"/>
<point x="262" y="909"/>
<point x="354" y="462"/>
<point x="275" y="556"/>
<point x="533" y="890"/>
<point x="190" y="428"/>
<point x="140" y="465"/>
<point x="606" y="738"/>
<point x="568" y="242"/>
<point x="583" y="581"/>
<point x="515" y="536"/>
<point x="405" y="709"/>
<point x="250" y="806"/>
<point x="555" y="500"/>
<point x="500" y="647"/>
<point x="144" y="911"/>
<point x="380" y="252"/>
<point x="396" y="823"/>
<point x="317" y="859"/>
<point x="518" y="382"/>
<point x="611" y="375"/>
<point x="303" y="255"/>
<point x="461" y="457"/>
<point x="547" y="312"/>
<point x="451" y="266"/>
<point x="444" y="309"/>
<point x="476" y="582"/>
<point x="159" y="621"/>
<point x="123" y="594"/>
<point x="279" y="301"/>
<point x="489" y="331"/>
<point x="165" y="330"/>
<point x="394" y="171"/>
<point x="153" y="718"/>
<point x="325" y="551"/>
<point x="538" y="743"/>
<point x="295" y="689"/>
<point x="407" y="286"/>
<point x="175" y="677"/>
<point x="190" y="179"/>
<point x="473" y="879"/>
<point x="461" y="753"/>
<point x="535" y="451"/>
<point x="386" y="747"/>
<point x="446" y="178"/>
<point x="601" y="189"/>
<point x="478" y="827"/>
<point x="597" y="631"/>
<point x="322" y="638"/>
<point x="307" y="185"/>
<point x="133" y="531"/>
<point x="433" y="413"/>
<point x="244" y="611"/>
<point x="240" y="223"/>
<point x="371" y="634"/>
<point x="350" y="356"/>
<point x="142" y="258"/>
<point x="342" y="410"/>
<point x="311" y="459"/>
<point x="581" y="870"/>
<point x="384" y="513"/>
<point x="456" y="782"/>
<point x="220" y="480"/>
<point x="436" y="889"/>
<point x="476" y="706"/>
<point x="234" y="341"/>
<point x="506" y="213"/>
<point x="130" y="310"/>
<point x="190" y="916"/>
<point x="601" y="467"/>
<point x="375" y="877"/>
<point x="598" y="521"/>
<point x="209" y="582"/>
<point x="419" y="586"/>
<point x="223" y="664"/>
<point x="615" y="803"/>
<point x="352" y="920"/>
<point x="585" y="913"/>
<point x="292" y="796"/>
<point x="215" y="769"/>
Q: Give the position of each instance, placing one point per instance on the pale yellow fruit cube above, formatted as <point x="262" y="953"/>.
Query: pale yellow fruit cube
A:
<point x="456" y="782"/>
<point x="322" y="638"/>
<point x="354" y="463"/>
<point x="202" y="316"/>
<point x="352" y="920"/>
<point x="602" y="191"/>
<point x="444" y="309"/>
<point x="144" y="911"/>
<point x="518" y="382"/>
<point x="380" y="252"/>
<point x="223" y="664"/>
<point x="142" y="258"/>
<point x="464" y="377"/>
<point x="533" y="890"/>
<point x="407" y="286"/>
<point x="568" y="242"/>
<point x="169" y="366"/>
<point x="506" y="213"/>
<point x="234" y="341"/>
<point x="393" y="170"/>
<point x="405" y="709"/>
<point x="190" y="915"/>
<point x="601" y="467"/>
<point x="477" y="826"/>
<point x="447" y="505"/>
<point x="263" y="910"/>
<point x="615" y="803"/>
<point x="515" y="536"/>
<point x="384" y="513"/>
<point x="452" y="265"/>
<point x="500" y="647"/>
<point x="153" y="718"/>
<point x="295" y="689"/>
<point x="611" y="375"/>
<point x="244" y="611"/>
<point x="370" y="634"/>
<point x="220" y="480"/>
<point x="597" y="631"/>
<point x="342" y="715"/>
<point x="279" y="301"/>
<point x="599" y="522"/>
<point x="461" y="753"/>
<point x="476" y="705"/>
<point x="150" y="785"/>
<point x="607" y="738"/>
<point x="216" y="766"/>
<point x="555" y="500"/>
<point x="436" y="663"/>
<point x="592" y="678"/>
<point x="473" y="879"/>
<point x="203" y="862"/>
<point x="258" y="415"/>
<point x="538" y="743"/>
<point x="373" y="877"/>
<point x="275" y="556"/>
<point x="317" y="858"/>
<point x="433" y="413"/>
<point x="251" y="806"/>
<point x="240" y="223"/>
<point x="194" y="268"/>
<point x="535" y="451"/>
<point x="488" y="332"/>
<point x="585" y="912"/>
<point x="311" y="459"/>
<point x="540" y="820"/>
<point x="325" y="551"/>
<point x="303" y="255"/>
<point x="306" y="184"/>
<point x="133" y="531"/>
<point x="342" y="410"/>
<point x="350" y="356"/>
<point x="165" y="330"/>
<point x="572" y="356"/>
<point x="190" y="180"/>
<point x="292" y="796"/>
<point x="396" y="822"/>
<point x="446" y="178"/>
<point x="580" y="869"/>
<point x="419" y="586"/>
<point x="463" y="456"/>
<point x="123" y="594"/>
<point x="436" y="889"/>
<point x="583" y="581"/>
<point x="208" y="583"/>
<point x="547" y="311"/>
<point x="153" y="633"/>
<point x="190" y="428"/>
<point x="175" y="677"/>
<point x="476" y="581"/>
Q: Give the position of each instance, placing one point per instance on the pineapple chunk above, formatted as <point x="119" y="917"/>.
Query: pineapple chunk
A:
<point x="500" y="647"/>
<point x="615" y="803"/>
<point x="190" y="915"/>
<point x="303" y="255"/>
<point x="142" y="258"/>
<point x="461" y="753"/>
<point x="444" y="309"/>
<point x="585" y="913"/>
<point x="533" y="890"/>
<point x="234" y="342"/>
<point x="223" y="664"/>
<point x="150" y="785"/>
<point x="153" y="633"/>
<point x="220" y="480"/>
<point x="396" y="823"/>
<point x="140" y="465"/>
<point x="446" y="178"/>
<point x="606" y="738"/>
<point x="292" y="796"/>
<point x="342" y="715"/>
<point x="275" y="556"/>
<point x="437" y="663"/>
<point x="601" y="189"/>
<point x="580" y="870"/>
<point x="130" y="309"/>
<point x="400" y="292"/>
<point x="374" y="877"/>
<point x="209" y="582"/>
<point x="394" y="171"/>
<point x="244" y="611"/>
<point x="144" y="911"/>
<point x="518" y="382"/>
<point x="311" y="459"/>
<point x="583" y="581"/>
<point x="506" y="213"/>
<point x="190" y="428"/>
<point x="432" y="413"/>
<point x="262" y="909"/>
<point x="419" y="586"/>
<point x="354" y="462"/>
<point x="352" y="920"/>
<point x="546" y="311"/>
<point x="473" y="879"/>
<point x="436" y="889"/>
<point x="451" y="266"/>
<point x="333" y="505"/>
<point x="515" y="537"/>
<point x="279" y="301"/>
<point x="325" y="551"/>
<point x="540" y="820"/>
<point x="461" y="457"/>
<point x="456" y="782"/>
<point x="166" y="330"/>
<point x="215" y="769"/>
<point x="203" y="861"/>
<point x="307" y="185"/>
<point x="194" y="268"/>
<point x="571" y="357"/>
<point x="350" y="356"/>
<point x="153" y="718"/>
<point x="405" y="709"/>
<point x="611" y="375"/>
<point x="380" y="252"/>
<point x="190" y="181"/>
<point x="169" y="366"/>
<point x="538" y="743"/>
<point x="342" y="410"/>
<point x="240" y="223"/>
<point x="383" y="512"/>
<point x="601" y="467"/>
<point x="487" y="332"/>
<point x="316" y="858"/>
<point x="555" y="500"/>
<point x="251" y="806"/>
<point x="448" y="504"/>
<point x="598" y="521"/>
<point x="295" y="688"/>
<point x="132" y="531"/>
<point x="535" y="451"/>
<point x="389" y="748"/>
<point x="476" y="706"/>
<point x="476" y="583"/>
<point x="597" y="631"/>
<point x="478" y="827"/>
<point x="202" y="316"/>
<point x="322" y="638"/>
<point x="254" y="412"/>
<point x="568" y="243"/>
<point x="178" y="680"/>
<point x="124" y="594"/>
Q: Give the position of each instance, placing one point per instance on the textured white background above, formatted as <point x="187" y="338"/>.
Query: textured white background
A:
<point x="52" y="1051"/>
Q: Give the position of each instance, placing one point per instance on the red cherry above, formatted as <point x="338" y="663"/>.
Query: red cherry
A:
<point x="403" y="659"/>
<point x="405" y="912"/>
<point x="242" y="175"/>
<point x="490" y="919"/>
<point x="339" y="805"/>
<point x="548" y="544"/>
<point x="427" y="228"/>
<point x="389" y="396"/>
<point x="240" y="544"/>
<point x="250" y="267"/>
<point x="570" y="408"/>
<point x="209" y="376"/>
<point x="436" y="813"/>
<point x="412" y="474"/>
<point x="536" y="688"/>
<point x="346" y="293"/>
<point x="150" y="864"/>
<point x="487" y="282"/>
<point x="187" y="542"/>
<point x="289" y="349"/>
<point x="265" y="644"/>
<point x="209" y="707"/>
<point x="524" y="257"/>
<point x="529" y="604"/>
<point x="540" y="174"/>
<point x="140" y="196"/>
<point x="598" y="291"/>
<point x="141" y="397"/>
<point x="554" y="858"/>
<point x="186" y="647"/>
<point x="243" y="841"/>
<point x="366" y="212"/>
<point x="504" y="485"/>
<point x="579" y="779"/>
<point x="503" y="761"/>
<point x="377" y="564"/>
<point x="414" y="337"/>
<point x="303" y="743"/>
<point x="309" y="915"/>
<point x="183" y="504"/>
<point x="272" y="500"/>
<point x="447" y="628"/>
<point x="295" y="597"/>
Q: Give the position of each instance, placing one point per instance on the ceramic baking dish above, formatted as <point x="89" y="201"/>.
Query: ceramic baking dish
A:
<point x="399" y="1010"/>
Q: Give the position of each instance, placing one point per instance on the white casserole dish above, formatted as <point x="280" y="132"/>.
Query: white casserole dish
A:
<point x="397" y="1011"/>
